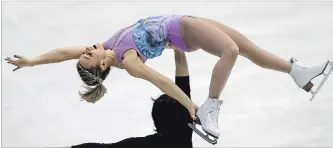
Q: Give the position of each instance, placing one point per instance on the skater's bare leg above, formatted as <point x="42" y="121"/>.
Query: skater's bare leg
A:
<point x="200" y="34"/>
<point x="254" y="53"/>
<point x="213" y="40"/>
<point x="301" y="74"/>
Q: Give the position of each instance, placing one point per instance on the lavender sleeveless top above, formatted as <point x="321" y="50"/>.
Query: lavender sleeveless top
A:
<point x="151" y="38"/>
<point x="121" y="41"/>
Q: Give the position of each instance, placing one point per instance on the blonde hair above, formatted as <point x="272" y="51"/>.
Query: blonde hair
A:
<point x="93" y="78"/>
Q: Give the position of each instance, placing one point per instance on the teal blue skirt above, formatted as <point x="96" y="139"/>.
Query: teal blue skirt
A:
<point x="149" y="45"/>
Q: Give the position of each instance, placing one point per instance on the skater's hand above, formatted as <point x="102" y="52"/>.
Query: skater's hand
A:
<point x="19" y="62"/>
<point x="193" y="111"/>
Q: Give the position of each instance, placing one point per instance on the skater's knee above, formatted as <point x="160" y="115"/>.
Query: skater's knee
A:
<point x="231" y="51"/>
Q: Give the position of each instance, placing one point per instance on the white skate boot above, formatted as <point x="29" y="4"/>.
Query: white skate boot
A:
<point x="208" y="119"/>
<point x="303" y="74"/>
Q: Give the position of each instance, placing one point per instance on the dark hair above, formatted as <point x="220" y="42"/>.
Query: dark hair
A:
<point x="171" y="118"/>
<point x="93" y="78"/>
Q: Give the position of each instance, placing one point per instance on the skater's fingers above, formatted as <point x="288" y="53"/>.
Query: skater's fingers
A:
<point x="193" y="116"/>
<point x="16" y="68"/>
<point x="9" y="59"/>
<point x="17" y="56"/>
<point x="11" y="62"/>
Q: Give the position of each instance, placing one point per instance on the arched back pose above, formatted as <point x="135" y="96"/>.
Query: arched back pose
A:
<point x="130" y="47"/>
<point x="170" y="119"/>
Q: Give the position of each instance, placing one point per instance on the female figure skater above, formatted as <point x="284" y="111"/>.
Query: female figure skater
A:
<point x="130" y="47"/>
<point x="170" y="118"/>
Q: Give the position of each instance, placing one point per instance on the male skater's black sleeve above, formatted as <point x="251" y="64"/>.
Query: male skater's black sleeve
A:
<point x="183" y="82"/>
<point x="150" y="141"/>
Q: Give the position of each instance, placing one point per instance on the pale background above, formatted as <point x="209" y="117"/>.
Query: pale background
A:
<point x="41" y="107"/>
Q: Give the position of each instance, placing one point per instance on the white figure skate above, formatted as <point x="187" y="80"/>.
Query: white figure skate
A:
<point x="208" y="119"/>
<point x="304" y="74"/>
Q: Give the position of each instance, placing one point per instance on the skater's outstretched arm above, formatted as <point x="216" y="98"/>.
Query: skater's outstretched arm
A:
<point x="136" y="68"/>
<point x="53" y="56"/>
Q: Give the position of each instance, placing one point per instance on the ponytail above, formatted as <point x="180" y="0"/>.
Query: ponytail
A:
<point x="93" y="78"/>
